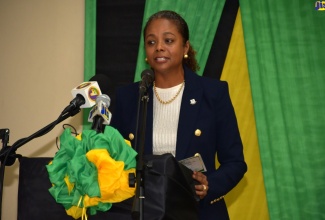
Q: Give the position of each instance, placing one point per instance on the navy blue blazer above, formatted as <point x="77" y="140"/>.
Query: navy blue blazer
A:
<point x="213" y="114"/>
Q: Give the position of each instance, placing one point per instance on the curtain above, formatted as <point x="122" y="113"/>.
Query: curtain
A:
<point x="90" y="39"/>
<point x="285" y="62"/>
<point x="247" y="200"/>
<point x="90" y="49"/>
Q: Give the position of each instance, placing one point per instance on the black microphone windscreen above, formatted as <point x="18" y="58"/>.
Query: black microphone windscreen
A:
<point x="147" y="77"/>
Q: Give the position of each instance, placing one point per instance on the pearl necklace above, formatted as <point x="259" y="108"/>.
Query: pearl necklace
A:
<point x="170" y="100"/>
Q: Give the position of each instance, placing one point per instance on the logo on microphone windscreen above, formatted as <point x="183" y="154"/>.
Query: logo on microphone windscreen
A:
<point x="93" y="92"/>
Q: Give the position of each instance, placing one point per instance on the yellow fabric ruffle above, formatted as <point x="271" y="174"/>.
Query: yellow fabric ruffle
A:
<point x="112" y="178"/>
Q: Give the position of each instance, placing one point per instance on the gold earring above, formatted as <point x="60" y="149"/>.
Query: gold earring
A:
<point x="185" y="56"/>
<point x="146" y="59"/>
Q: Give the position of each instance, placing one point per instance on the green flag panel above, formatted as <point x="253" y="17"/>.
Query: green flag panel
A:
<point x="90" y="49"/>
<point x="285" y="62"/>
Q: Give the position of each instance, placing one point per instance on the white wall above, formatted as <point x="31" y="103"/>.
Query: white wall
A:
<point x="41" y="60"/>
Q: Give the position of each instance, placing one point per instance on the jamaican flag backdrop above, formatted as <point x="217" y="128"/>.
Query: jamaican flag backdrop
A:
<point x="271" y="53"/>
<point x="286" y="69"/>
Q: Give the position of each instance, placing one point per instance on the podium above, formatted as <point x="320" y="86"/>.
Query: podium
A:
<point x="35" y="201"/>
<point x="169" y="193"/>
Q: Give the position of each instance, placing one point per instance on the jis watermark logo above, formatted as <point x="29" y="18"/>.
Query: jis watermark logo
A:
<point x="320" y="6"/>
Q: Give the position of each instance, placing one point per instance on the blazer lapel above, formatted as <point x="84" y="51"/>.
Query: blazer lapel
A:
<point x="188" y="114"/>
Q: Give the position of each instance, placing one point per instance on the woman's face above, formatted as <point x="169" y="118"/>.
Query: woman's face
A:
<point x="164" y="46"/>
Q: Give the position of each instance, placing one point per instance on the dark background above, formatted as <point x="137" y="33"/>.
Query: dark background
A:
<point x="119" y="26"/>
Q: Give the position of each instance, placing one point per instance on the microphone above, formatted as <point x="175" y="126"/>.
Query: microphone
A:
<point x="85" y="96"/>
<point x="99" y="114"/>
<point x="147" y="77"/>
<point x="86" y="93"/>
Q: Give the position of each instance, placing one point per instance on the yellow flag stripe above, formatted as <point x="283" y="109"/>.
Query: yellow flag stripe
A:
<point x="249" y="195"/>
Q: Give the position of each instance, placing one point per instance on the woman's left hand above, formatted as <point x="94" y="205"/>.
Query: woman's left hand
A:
<point x="203" y="187"/>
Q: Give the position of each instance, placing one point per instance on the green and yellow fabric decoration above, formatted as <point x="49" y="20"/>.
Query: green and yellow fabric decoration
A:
<point x="90" y="171"/>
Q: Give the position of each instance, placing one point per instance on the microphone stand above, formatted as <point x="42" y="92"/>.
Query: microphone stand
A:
<point x="138" y="202"/>
<point x="9" y="152"/>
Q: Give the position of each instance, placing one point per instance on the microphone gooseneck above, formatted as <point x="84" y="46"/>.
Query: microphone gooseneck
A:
<point x="78" y="101"/>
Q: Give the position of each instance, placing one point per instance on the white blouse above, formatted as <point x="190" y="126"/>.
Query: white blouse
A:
<point x="165" y="120"/>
